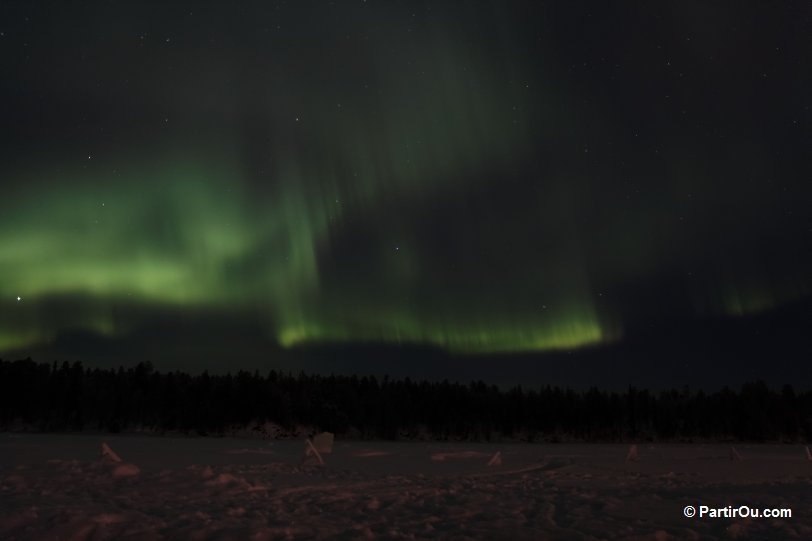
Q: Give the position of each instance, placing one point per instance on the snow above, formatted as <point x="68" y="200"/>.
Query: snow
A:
<point x="56" y="487"/>
<point x="458" y="455"/>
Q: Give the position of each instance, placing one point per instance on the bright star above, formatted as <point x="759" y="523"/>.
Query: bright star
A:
<point x="18" y="299"/>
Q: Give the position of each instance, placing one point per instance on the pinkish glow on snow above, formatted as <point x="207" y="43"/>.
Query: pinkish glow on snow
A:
<point x="57" y="487"/>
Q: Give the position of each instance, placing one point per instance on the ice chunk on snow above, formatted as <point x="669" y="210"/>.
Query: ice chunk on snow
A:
<point x="496" y="459"/>
<point x="323" y="442"/>
<point x="311" y="454"/>
<point x="122" y="469"/>
<point x="734" y="454"/>
<point x="108" y="454"/>
<point x="631" y="456"/>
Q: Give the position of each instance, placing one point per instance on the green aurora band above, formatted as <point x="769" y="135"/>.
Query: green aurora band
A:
<point x="311" y="197"/>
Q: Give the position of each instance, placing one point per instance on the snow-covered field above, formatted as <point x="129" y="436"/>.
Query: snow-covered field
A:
<point x="57" y="487"/>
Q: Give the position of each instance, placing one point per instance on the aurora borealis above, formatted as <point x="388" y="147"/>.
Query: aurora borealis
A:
<point x="487" y="177"/>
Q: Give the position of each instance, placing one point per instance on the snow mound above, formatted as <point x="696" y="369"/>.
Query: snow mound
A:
<point x="231" y="482"/>
<point x="125" y="470"/>
<point x="223" y="479"/>
<point x="110" y="518"/>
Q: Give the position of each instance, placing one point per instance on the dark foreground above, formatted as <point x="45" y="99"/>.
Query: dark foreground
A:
<point x="56" y="487"/>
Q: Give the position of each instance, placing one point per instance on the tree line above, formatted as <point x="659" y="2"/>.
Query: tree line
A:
<point x="72" y="397"/>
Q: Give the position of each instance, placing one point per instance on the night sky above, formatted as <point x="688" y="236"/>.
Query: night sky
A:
<point x="220" y="182"/>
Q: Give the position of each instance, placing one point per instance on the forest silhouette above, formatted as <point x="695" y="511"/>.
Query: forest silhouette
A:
<point x="72" y="397"/>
